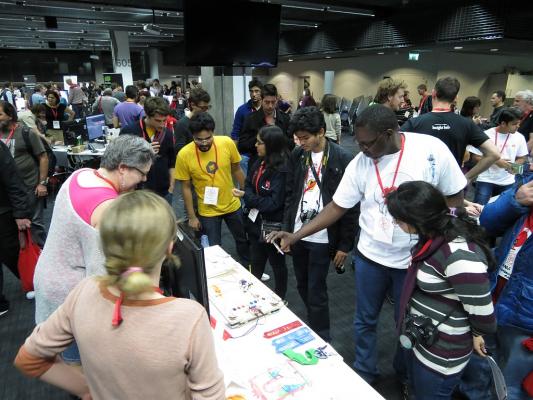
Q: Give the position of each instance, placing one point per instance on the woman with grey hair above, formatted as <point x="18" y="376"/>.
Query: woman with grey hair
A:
<point x="72" y="250"/>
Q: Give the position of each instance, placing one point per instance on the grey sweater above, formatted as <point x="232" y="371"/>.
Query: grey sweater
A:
<point x="71" y="253"/>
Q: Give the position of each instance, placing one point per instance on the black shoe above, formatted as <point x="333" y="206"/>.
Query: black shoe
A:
<point x="4" y="307"/>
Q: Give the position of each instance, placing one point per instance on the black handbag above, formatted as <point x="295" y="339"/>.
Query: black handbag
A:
<point x="267" y="227"/>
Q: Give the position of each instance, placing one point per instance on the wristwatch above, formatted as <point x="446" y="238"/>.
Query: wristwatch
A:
<point x="44" y="182"/>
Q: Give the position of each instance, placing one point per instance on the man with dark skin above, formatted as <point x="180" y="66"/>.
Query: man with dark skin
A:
<point x="383" y="250"/>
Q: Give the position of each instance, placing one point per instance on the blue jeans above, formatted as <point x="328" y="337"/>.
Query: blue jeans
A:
<point x="244" y="164"/>
<point x="372" y="282"/>
<point x="71" y="355"/>
<point x="212" y="227"/>
<point x="311" y="266"/>
<point x="515" y="361"/>
<point x="485" y="190"/>
<point x="427" y="384"/>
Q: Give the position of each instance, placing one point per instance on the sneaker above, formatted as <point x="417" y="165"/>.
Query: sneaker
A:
<point x="4" y="307"/>
<point x="265" y="277"/>
<point x="30" y="295"/>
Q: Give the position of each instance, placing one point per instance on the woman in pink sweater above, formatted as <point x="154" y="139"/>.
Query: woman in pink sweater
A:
<point x="134" y="342"/>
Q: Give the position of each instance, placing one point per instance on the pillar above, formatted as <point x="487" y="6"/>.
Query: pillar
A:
<point x="153" y="56"/>
<point x="120" y="50"/>
<point x="328" y="81"/>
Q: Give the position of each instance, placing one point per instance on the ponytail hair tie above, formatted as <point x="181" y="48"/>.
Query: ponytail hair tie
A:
<point x="130" y="271"/>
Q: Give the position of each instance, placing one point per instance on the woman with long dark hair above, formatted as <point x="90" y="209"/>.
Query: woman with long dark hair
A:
<point x="446" y="305"/>
<point x="264" y="196"/>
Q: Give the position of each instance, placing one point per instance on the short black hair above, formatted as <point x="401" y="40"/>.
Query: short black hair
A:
<point x="377" y="118"/>
<point x="510" y="114"/>
<point x="500" y="94"/>
<point x="203" y="121"/>
<point x="156" y="105"/>
<point x="269" y="89"/>
<point x="307" y="119"/>
<point x="447" y="88"/>
<point x="255" y="83"/>
<point x="198" y="95"/>
<point x="422" y="86"/>
<point x="131" y="92"/>
<point x="9" y="110"/>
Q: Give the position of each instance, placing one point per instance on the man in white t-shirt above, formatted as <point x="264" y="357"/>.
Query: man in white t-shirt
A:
<point x="513" y="151"/>
<point x="315" y="171"/>
<point x="387" y="159"/>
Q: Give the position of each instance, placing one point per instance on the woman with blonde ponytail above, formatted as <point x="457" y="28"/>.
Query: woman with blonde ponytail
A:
<point x="134" y="342"/>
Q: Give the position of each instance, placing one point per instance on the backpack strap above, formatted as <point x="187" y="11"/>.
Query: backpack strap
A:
<point x="29" y="148"/>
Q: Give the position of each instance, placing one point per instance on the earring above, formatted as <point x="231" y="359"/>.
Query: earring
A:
<point x="122" y="184"/>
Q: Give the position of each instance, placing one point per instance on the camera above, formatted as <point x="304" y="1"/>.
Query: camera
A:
<point x="308" y="215"/>
<point x="418" y="329"/>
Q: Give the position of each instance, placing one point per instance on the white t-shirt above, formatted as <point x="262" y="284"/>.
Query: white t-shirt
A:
<point x="312" y="200"/>
<point x="425" y="158"/>
<point x="515" y="146"/>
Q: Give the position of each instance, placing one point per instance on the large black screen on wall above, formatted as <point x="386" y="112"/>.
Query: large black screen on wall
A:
<point x="250" y="38"/>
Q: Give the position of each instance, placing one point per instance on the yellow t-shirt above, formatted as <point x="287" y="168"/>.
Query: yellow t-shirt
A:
<point x="188" y="169"/>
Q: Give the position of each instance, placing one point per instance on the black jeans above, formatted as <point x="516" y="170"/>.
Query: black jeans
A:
<point x="260" y="253"/>
<point x="9" y="248"/>
<point x="311" y="265"/>
<point x="212" y="227"/>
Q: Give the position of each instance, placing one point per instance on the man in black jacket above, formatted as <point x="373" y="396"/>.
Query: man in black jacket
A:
<point x="315" y="170"/>
<point x="152" y="127"/>
<point x="15" y="214"/>
<point x="268" y="114"/>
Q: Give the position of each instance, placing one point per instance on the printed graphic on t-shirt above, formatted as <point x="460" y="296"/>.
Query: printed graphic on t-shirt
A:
<point x="440" y="127"/>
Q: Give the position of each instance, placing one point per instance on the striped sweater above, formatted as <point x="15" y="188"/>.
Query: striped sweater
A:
<point x="453" y="279"/>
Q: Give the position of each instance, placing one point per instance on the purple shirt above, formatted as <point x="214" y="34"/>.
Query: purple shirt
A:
<point x="127" y="113"/>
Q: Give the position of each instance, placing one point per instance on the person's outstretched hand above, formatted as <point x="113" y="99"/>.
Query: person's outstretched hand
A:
<point x="286" y="238"/>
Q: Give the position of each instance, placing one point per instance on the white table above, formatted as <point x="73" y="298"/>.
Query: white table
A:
<point x="66" y="158"/>
<point x="246" y="357"/>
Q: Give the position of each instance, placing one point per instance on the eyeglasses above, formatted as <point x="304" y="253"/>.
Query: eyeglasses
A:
<point x="140" y="171"/>
<point x="370" y="144"/>
<point x="204" y="108"/>
<point x="201" y="141"/>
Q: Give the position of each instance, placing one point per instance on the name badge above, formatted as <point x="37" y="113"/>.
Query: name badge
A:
<point x="211" y="195"/>
<point x="252" y="215"/>
<point x="383" y="229"/>
<point x="56" y="125"/>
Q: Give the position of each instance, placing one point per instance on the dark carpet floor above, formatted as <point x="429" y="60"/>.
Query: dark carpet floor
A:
<point x="19" y="322"/>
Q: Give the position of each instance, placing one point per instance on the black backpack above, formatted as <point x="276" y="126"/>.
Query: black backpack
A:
<point x="52" y="160"/>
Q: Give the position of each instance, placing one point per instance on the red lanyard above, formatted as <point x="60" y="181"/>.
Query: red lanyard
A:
<point x="422" y="101"/>
<point x="99" y="175"/>
<point x="158" y="138"/>
<point x="117" y="315"/>
<point x="496" y="140"/>
<point x="54" y="112"/>
<point x="386" y="190"/>
<point x="442" y="109"/>
<point x="216" y="162"/>
<point x="525" y="116"/>
<point x="8" y="139"/>
<point x="423" y="249"/>
<point x="259" y="174"/>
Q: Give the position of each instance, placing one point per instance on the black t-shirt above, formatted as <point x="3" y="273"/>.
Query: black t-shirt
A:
<point x="526" y="126"/>
<point x="455" y="131"/>
<point x="54" y="114"/>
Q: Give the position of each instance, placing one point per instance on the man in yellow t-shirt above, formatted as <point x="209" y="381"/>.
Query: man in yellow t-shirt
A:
<point x="209" y="163"/>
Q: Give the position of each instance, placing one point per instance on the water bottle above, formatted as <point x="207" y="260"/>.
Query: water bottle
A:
<point x="204" y="241"/>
